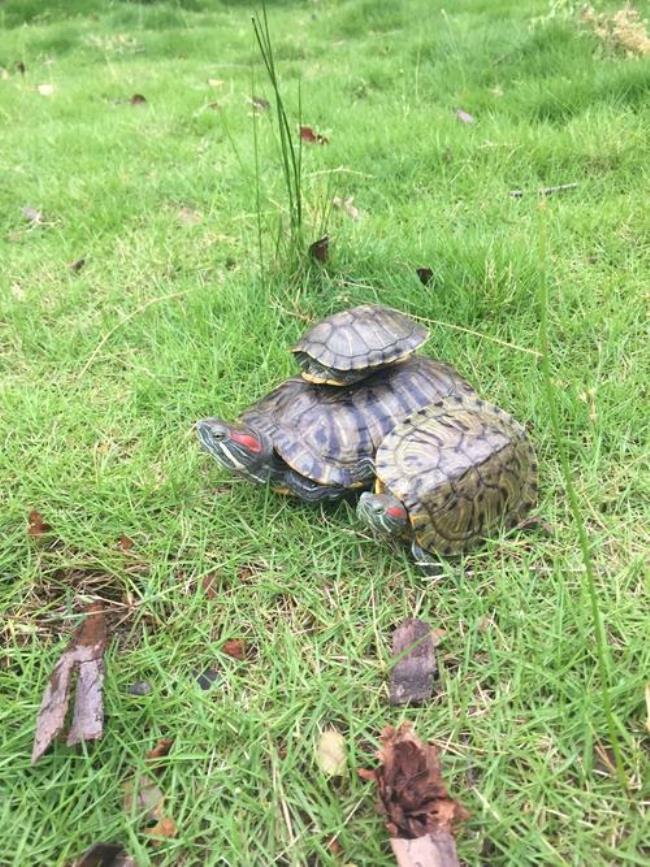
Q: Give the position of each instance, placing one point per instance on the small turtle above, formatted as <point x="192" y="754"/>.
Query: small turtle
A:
<point x="352" y="344"/>
<point x="318" y="442"/>
<point x="449" y="475"/>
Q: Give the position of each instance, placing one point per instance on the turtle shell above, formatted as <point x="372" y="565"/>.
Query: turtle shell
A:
<point x="461" y="468"/>
<point x="330" y="435"/>
<point x="353" y="343"/>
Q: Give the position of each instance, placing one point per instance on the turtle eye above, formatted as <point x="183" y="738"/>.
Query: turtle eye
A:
<point x="218" y="435"/>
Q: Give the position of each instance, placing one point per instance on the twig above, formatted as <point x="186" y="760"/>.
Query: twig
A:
<point x="545" y="191"/>
<point x="122" y="322"/>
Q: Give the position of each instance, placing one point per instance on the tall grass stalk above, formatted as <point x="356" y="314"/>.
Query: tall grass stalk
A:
<point x="602" y="650"/>
<point x="291" y="153"/>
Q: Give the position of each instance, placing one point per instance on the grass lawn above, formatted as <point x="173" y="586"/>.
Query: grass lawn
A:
<point x="105" y="369"/>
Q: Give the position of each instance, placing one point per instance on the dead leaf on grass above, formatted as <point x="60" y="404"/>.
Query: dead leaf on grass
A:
<point x="125" y="544"/>
<point x="189" y="216"/>
<point x="235" y="647"/>
<point x="161" y="749"/>
<point x="105" y="855"/>
<point x="308" y="134"/>
<point x="137" y="99"/>
<point x="209" y="584"/>
<point x="36" y="525"/>
<point x="20" y="67"/>
<point x="259" y="103"/>
<point x="464" y="116"/>
<point x="33" y="215"/>
<point x="77" y="265"/>
<point x="412" y="795"/>
<point x="347" y="205"/>
<point x="85" y="654"/>
<point x="46" y="89"/>
<point x="411" y="680"/>
<point x="330" y="753"/>
<point x="165" y="827"/>
<point x="320" y="249"/>
<point x="425" y="275"/>
<point x="143" y="796"/>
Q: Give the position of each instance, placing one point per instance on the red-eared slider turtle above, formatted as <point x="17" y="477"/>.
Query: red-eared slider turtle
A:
<point x="352" y="344"/>
<point x="318" y="442"/>
<point x="449" y="475"/>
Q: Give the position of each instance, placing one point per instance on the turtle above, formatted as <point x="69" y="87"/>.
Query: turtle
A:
<point x="449" y="475"/>
<point x="352" y="344"/>
<point x="318" y="442"/>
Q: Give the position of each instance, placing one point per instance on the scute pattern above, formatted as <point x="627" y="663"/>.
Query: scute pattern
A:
<point x="331" y="434"/>
<point x="460" y="468"/>
<point x="363" y="337"/>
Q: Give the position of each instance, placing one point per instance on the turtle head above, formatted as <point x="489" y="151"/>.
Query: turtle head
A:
<point x="383" y="513"/>
<point x="237" y="447"/>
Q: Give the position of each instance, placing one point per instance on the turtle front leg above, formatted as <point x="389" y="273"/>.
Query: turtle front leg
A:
<point x="429" y="563"/>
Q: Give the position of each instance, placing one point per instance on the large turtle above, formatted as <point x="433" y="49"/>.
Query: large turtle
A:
<point x="352" y="344"/>
<point x="318" y="442"/>
<point x="449" y="475"/>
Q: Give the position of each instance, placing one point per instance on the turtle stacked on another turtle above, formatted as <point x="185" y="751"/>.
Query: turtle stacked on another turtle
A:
<point x="363" y="397"/>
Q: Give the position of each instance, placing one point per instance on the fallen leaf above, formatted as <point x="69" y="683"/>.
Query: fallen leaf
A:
<point x="83" y="654"/>
<point x="411" y="680"/>
<point x="605" y="760"/>
<point x="34" y="216"/>
<point x="425" y="275"/>
<point x="137" y="99"/>
<point x="125" y="544"/>
<point x="36" y="525"/>
<point x="77" y="265"/>
<point x="330" y="753"/>
<point x="235" y="647"/>
<point x="20" y="67"/>
<point x="105" y="855"/>
<point x="215" y="82"/>
<point x="206" y="678"/>
<point x="259" y="103"/>
<point x="647" y="706"/>
<point x="161" y="749"/>
<point x="165" y="827"/>
<point x="209" y="584"/>
<point x="437" y="636"/>
<point x="310" y="135"/>
<point x="348" y="206"/>
<point x="320" y="249"/>
<point x="143" y="796"/>
<point x="189" y="217"/>
<point x="247" y="571"/>
<point x="464" y="116"/>
<point x="140" y="687"/>
<point x="412" y="795"/>
<point x="45" y="89"/>
<point x="333" y="846"/>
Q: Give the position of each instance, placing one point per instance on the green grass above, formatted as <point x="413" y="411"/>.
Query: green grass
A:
<point x="100" y="388"/>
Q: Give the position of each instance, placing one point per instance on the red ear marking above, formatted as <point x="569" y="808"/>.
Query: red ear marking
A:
<point x="249" y="442"/>
<point x="396" y="512"/>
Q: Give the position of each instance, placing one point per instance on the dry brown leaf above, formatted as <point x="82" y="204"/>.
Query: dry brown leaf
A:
<point x="33" y="215"/>
<point x="320" y="249"/>
<point x="235" y="647"/>
<point x="425" y="275"/>
<point x="137" y="99"/>
<point x="189" y="217"/>
<point x="125" y="544"/>
<point x="464" y="116"/>
<point x="330" y="753"/>
<point x="83" y="654"/>
<point x="412" y="795"/>
<point x="143" y="796"/>
<point x="347" y="205"/>
<point x="165" y="827"/>
<point x="210" y="585"/>
<point x="310" y="135"/>
<point x="77" y="265"/>
<point x="36" y="525"/>
<point x="161" y="749"/>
